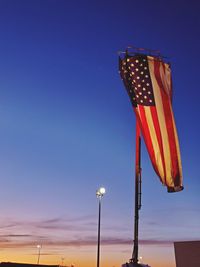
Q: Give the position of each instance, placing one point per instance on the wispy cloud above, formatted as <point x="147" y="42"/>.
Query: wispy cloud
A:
<point x="66" y="233"/>
<point x="8" y="225"/>
<point x="59" y="223"/>
<point x="16" y="235"/>
<point x="153" y="242"/>
<point x="88" y="241"/>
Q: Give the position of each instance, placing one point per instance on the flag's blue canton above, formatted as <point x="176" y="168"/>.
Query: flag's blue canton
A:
<point x="136" y="76"/>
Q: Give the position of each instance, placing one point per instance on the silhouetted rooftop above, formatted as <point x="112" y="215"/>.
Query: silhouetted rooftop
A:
<point x="15" y="264"/>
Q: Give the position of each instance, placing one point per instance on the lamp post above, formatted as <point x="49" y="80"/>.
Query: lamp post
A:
<point x="39" y="249"/>
<point x="99" y="193"/>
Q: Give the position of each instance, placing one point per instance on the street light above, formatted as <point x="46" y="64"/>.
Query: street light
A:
<point x="39" y="248"/>
<point x="99" y="193"/>
<point x="140" y="259"/>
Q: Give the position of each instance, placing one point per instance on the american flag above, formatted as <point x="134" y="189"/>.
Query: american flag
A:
<point x="147" y="80"/>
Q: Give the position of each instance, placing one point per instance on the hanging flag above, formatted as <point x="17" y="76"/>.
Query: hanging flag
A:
<point x="148" y="82"/>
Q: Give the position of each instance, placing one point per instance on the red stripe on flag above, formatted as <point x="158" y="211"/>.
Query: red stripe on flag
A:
<point x="146" y="135"/>
<point x="159" y="137"/>
<point x="169" y="125"/>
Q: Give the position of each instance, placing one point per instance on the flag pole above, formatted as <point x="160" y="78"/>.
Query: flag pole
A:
<point x="134" y="259"/>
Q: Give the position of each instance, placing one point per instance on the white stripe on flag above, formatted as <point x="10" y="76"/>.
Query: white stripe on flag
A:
<point x="162" y="123"/>
<point x="154" y="141"/>
<point x="165" y="74"/>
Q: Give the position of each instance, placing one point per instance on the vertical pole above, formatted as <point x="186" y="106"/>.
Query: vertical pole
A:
<point x="137" y="193"/>
<point x="39" y="247"/>
<point x="99" y="223"/>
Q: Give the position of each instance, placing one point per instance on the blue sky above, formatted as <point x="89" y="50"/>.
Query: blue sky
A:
<point x="67" y="127"/>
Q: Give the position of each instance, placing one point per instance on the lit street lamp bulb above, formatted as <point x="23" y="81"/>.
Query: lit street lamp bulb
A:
<point x="38" y="246"/>
<point x="100" y="192"/>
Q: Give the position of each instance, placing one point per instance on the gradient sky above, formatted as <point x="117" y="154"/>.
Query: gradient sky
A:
<point x="67" y="127"/>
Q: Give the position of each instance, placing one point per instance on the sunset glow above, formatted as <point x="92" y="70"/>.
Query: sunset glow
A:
<point x="67" y="128"/>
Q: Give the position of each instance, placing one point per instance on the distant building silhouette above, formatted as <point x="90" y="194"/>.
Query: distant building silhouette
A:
<point x="187" y="253"/>
<point x="14" y="264"/>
